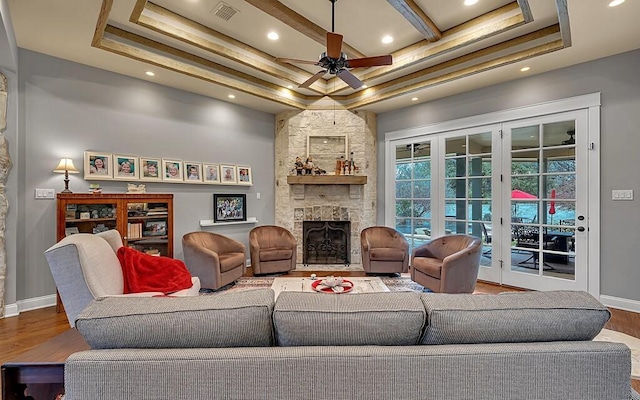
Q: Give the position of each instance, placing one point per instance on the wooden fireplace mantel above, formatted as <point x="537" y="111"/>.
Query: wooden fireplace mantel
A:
<point x="326" y="180"/>
<point x="298" y="182"/>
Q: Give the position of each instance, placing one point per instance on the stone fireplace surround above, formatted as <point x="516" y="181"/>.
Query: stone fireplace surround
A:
<point x="325" y="202"/>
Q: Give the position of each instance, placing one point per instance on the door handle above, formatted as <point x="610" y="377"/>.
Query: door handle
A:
<point x="581" y="229"/>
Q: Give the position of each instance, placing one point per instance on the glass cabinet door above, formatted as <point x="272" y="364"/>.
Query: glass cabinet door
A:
<point x="148" y="227"/>
<point x="90" y="218"/>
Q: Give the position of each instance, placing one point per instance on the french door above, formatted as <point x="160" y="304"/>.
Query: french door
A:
<point x="521" y="186"/>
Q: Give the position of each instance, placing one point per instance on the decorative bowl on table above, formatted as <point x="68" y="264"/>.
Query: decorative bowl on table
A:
<point x="332" y="285"/>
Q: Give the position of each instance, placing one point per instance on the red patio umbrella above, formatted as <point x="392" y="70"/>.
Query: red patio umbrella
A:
<point x="519" y="194"/>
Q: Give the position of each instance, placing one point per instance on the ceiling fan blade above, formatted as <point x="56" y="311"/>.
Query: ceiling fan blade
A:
<point x="314" y="78"/>
<point x="294" y="61"/>
<point x="334" y="45"/>
<point x="349" y="78"/>
<point x="369" y="61"/>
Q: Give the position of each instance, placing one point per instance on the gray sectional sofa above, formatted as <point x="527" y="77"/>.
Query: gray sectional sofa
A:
<point x="246" y="345"/>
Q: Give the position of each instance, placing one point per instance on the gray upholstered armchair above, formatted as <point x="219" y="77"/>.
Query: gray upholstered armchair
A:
<point x="384" y="250"/>
<point x="273" y="249"/>
<point x="448" y="264"/>
<point x="216" y="259"/>
<point x="85" y="267"/>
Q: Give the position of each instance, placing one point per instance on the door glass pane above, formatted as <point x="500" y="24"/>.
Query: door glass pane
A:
<point x="540" y="177"/>
<point x="413" y="192"/>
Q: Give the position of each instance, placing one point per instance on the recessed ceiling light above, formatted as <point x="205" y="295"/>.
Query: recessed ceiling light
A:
<point x="470" y="2"/>
<point x="273" y="36"/>
<point x="289" y="86"/>
<point x="525" y="69"/>
<point x="414" y="99"/>
<point x="232" y="96"/>
<point x="150" y="73"/>
<point x="364" y="86"/>
<point x="615" y="3"/>
<point x="387" y="39"/>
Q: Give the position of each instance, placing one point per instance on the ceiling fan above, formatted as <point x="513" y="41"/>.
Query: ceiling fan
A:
<point x="335" y="62"/>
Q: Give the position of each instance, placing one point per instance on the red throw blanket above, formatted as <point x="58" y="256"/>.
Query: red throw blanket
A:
<point x="145" y="273"/>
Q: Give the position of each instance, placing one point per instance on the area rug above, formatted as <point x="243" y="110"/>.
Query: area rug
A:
<point x="329" y="267"/>
<point x="633" y="343"/>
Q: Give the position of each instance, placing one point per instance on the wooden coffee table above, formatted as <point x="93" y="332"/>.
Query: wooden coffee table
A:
<point x="41" y="369"/>
<point x="361" y="285"/>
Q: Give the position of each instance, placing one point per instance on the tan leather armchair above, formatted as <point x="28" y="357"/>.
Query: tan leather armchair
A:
<point x="384" y="250"/>
<point x="273" y="249"/>
<point x="447" y="264"/>
<point x="218" y="260"/>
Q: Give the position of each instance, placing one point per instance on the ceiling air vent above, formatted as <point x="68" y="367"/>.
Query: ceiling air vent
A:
<point x="224" y="11"/>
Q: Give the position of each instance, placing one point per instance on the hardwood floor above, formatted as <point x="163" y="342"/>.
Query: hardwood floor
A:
<point x="29" y="329"/>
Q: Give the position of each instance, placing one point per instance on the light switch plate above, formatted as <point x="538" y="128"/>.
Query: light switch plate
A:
<point x="45" y="194"/>
<point x="622" y="195"/>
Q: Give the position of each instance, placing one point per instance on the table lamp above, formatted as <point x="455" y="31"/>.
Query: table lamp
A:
<point x="66" y="167"/>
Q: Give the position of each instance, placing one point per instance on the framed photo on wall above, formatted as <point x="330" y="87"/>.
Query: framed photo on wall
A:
<point x="150" y="169"/>
<point x="244" y="175"/>
<point x="229" y="207"/>
<point x="98" y="165"/>
<point x="192" y="171"/>
<point x="171" y="170"/>
<point x="126" y="167"/>
<point x="228" y="174"/>
<point x="211" y="173"/>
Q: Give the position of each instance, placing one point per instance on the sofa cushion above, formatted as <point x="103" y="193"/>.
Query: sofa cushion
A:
<point x="318" y="319"/>
<point x="240" y="319"/>
<point x="275" y="254"/>
<point x="512" y="317"/>
<point x="386" y="254"/>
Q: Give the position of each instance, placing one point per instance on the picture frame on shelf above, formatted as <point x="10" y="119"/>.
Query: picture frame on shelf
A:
<point x="71" y="230"/>
<point x="98" y="165"/>
<point x="171" y="170"/>
<point x="229" y="207"/>
<point x="192" y="171"/>
<point x="126" y="167"/>
<point x="244" y="175"/>
<point x="155" y="228"/>
<point x="150" y="169"/>
<point x="211" y="173"/>
<point x="228" y="174"/>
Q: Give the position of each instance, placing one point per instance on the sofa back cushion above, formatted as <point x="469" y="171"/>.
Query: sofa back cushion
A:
<point x="241" y="319"/>
<point x="317" y="319"/>
<point x="512" y="317"/>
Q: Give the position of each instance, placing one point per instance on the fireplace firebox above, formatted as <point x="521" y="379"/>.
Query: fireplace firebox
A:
<point x="326" y="242"/>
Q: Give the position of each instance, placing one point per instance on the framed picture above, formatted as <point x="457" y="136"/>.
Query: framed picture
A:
<point x="229" y="207"/>
<point x="125" y="167"/>
<point x="227" y="173"/>
<point x="192" y="171"/>
<point x="155" y="228"/>
<point x="211" y="173"/>
<point x="171" y="170"/>
<point x="244" y="175"/>
<point x="97" y="165"/>
<point x="150" y="169"/>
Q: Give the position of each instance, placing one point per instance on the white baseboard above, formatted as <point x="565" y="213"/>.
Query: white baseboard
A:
<point x="12" y="310"/>
<point x="620" y="303"/>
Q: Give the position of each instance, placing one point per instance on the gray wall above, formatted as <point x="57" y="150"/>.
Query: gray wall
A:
<point x="618" y="80"/>
<point x="67" y="108"/>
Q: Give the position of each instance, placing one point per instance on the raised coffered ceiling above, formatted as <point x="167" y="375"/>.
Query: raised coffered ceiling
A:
<point x="440" y="47"/>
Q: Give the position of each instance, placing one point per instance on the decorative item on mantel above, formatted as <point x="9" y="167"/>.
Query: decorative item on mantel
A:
<point x="95" y="188"/>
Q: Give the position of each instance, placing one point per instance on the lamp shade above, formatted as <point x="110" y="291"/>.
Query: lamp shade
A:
<point x="66" y="165"/>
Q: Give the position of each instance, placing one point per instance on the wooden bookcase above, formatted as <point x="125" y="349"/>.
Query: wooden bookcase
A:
<point x="145" y="221"/>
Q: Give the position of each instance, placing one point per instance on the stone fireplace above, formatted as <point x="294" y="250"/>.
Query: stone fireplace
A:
<point x="322" y="200"/>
